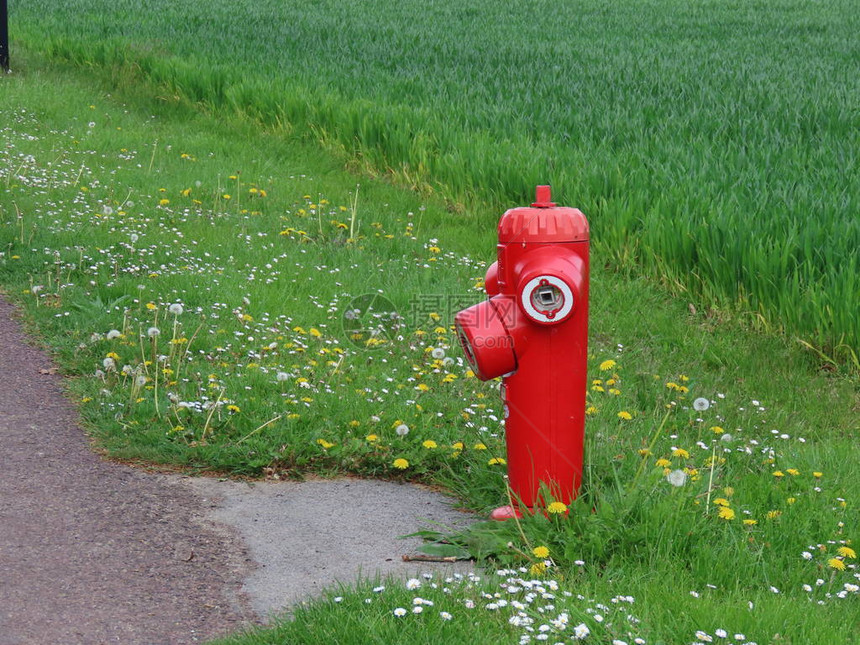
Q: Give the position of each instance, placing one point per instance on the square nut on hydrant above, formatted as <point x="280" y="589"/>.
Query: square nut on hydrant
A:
<point x="533" y="332"/>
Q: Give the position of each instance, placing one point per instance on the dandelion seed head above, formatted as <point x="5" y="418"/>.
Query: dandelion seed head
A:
<point x="677" y="478"/>
<point x="701" y="404"/>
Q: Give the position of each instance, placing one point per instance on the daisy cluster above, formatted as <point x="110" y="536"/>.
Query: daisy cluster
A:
<point x="532" y="610"/>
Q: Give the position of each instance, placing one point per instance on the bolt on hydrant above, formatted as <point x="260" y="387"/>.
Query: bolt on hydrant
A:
<point x="533" y="332"/>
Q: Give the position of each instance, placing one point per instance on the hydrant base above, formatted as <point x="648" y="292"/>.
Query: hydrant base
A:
<point x="505" y="513"/>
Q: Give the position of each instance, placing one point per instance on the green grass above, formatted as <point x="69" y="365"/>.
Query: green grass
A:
<point x="713" y="144"/>
<point x="87" y="243"/>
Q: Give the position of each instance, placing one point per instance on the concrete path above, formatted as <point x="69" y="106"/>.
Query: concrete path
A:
<point x="96" y="552"/>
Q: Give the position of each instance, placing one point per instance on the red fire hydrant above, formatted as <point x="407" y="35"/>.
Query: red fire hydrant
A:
<point x="533" y="332"/>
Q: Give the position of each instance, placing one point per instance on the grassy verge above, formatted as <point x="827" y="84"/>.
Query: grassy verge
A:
<point x="198" y="281"/>
<point x="713" y="145"/>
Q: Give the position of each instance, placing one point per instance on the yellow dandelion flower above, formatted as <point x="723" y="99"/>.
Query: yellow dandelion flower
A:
<point x="233" y="408"/>
<point x="750" y="522"/>
<point x="422" y="387"/>
<point x="817" y="475"/>
<point x="662" y="463"/>
<point x="598" y="388"/>
<point x="400" y="464"/>
<point x="794" y="472"/>
<point x="479" y="446"/>
<point x="591" y="410"/>
<point x="626" y="416"/>
<point x="846" y="552"/>
<point x="537" y="569"/>
<point x="457" y="445"/>
<point x="313" y="331"/>
<point x="726" y="513"/>
<point x="354" y="423"/>
<point x="778" y="474"/>
<point x="163" y="202"/>
<point x="680" y="452"/>
<point x="605" y="366"/>
<point x="717" y="430"/>
<point x="721" y="501"/>
<point x="496" y="461"/>
<point x="430" y="444"/>
<point x="541" y="552"/>
<point x="791" y="500"/>
<point x="294" y="416"/>
<point x="557" y="508"/>
<point x="644" y="452"/>
<point x="772" y="515"/>
<point x="371" y="438"/>
<point x="836" y="563"/>
<point x="325" y="444"/>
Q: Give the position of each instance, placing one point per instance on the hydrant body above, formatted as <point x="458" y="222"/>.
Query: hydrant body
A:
<point x="533" y="332"/>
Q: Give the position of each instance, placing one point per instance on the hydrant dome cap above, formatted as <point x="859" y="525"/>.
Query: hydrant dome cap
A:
<point x="543" y="225"/>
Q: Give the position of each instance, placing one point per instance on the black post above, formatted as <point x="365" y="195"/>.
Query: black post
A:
<point x="4" y="36"/>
